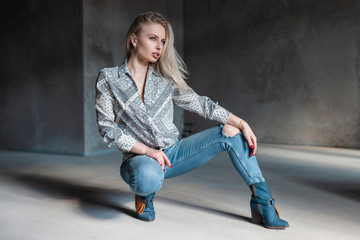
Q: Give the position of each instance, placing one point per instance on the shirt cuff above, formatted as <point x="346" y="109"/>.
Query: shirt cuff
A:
<point x="125" y="143"/>
<point x="221" y="115"/>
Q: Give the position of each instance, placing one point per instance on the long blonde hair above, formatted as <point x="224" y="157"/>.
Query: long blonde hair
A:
<point x="170" y="65"/>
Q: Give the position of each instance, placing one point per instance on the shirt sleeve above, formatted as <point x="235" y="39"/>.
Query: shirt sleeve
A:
<point x="107" y="126"/>
<point x="202" y="105"/>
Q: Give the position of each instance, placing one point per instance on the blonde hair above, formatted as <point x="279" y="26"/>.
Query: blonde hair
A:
<point x="170" y="65"/>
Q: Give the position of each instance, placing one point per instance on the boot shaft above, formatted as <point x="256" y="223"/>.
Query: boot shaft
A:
<point x="260" y="190"/>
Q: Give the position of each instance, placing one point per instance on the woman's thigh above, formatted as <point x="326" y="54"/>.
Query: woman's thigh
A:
<point x="194" y="151"/>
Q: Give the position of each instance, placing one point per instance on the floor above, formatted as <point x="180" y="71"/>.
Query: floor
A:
<point x="45" y="196"/>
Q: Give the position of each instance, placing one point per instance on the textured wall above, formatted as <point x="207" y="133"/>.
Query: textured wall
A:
<point x="51" y="54"/>
<point x="105" y="27"/>
<point x="290" y="68"/>
<point x="41" y="100"/>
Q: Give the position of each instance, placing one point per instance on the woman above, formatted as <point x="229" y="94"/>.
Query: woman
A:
<point x="134" y="104"/>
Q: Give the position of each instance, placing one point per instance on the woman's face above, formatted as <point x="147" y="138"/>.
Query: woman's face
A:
<point x="149" y="43"/>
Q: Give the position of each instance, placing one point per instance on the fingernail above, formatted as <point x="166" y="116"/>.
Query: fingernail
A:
<point x="170" y="166"/>
<point x="164" y="169"/>
<point x="160" y="164"/>
<point x="252" y="146"/>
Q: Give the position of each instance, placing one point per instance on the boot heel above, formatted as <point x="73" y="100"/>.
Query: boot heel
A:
<point x="255" y="217"/>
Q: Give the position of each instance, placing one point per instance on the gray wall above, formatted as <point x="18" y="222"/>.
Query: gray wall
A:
<point x="52" y="52"/>
<point x="105" y="27"/>
<point x="41" y="100"/>
<point x="290" y="68"/>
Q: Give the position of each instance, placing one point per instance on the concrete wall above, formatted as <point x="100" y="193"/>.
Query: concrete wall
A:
<point x="41" y="100"/>
<point x="51" y="54"/>
<point x="105" y="27"/>
<point x="290" y="68"/>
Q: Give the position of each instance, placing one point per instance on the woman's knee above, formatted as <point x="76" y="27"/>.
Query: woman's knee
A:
<point x="146" y="177"/>
<point x="232" y="136"/>
<point x="230" y="131"/>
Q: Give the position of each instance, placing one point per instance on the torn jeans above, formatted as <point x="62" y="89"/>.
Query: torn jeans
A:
<point x="145" y="175"/>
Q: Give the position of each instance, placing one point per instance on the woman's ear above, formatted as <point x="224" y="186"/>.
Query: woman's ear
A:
<point x="133" y="40"/>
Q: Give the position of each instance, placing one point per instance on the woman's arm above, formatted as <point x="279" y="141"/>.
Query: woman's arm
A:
<point x="205" y="107"/>
<point x="108" y="128"/>
<point x="246" y="130"/>
<point x="159" y="155"/>
<point x="202" y="105"/>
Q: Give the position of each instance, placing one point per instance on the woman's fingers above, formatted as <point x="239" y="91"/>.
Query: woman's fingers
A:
<point x="255" y="145"/>
<point x="251" y="139"/>
<point x="162" y="159"/>
<point x="166" y="160"/>
<point x="251" y="145"/>
<point x="159" y="156"/>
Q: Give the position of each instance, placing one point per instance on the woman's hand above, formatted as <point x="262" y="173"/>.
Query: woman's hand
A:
<point x="246" y="130"/>
<point x="159" y="156"/>
<point x="249" y="136"/>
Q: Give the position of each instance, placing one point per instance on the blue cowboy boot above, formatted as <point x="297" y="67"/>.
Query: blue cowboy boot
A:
<point x="144" y="207"/>
<point x="263" y="209"/>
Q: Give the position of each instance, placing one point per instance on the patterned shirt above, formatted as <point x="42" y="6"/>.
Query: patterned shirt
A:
<point x="123" y="118"/>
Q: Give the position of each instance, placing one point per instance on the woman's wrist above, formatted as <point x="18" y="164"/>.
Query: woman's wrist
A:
<point x="240" y="124"/>
<point x="147" y="151"/>
<point x="236" y="121"/>
<point x="140" y="148"/>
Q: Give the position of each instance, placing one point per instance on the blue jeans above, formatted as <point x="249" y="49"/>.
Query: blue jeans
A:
<point x="145" y="175"/>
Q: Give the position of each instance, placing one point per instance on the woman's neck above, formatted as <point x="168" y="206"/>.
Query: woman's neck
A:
<point x="137" y="67"/>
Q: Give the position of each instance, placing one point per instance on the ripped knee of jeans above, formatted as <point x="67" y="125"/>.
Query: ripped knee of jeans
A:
<point x="230" y="131"/>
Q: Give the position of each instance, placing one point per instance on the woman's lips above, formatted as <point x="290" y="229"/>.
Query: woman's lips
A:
<point x="156" y="55"/>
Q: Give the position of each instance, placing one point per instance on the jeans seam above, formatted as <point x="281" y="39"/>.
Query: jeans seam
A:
<point x="206" y="146"/>
<point x="132" y="177"/>
<point x="232" y="148"/>
<point x="246" y="170"/>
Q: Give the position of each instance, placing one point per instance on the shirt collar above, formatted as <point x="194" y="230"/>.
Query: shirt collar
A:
<point x="123" y="69"/>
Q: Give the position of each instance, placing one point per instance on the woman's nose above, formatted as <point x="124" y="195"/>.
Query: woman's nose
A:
<point x="158" y="45"/>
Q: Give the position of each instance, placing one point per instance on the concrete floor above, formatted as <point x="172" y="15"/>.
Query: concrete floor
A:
<point x="44" y="196"/>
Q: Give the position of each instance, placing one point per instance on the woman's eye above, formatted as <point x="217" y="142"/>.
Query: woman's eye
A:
<point x="163" y="41"/>
<point x="152" y="38"/>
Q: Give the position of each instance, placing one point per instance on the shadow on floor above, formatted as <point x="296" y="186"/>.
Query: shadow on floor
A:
<point x="345" y="189"/>
<point x="94" y="201"/>
<point x="343" y="182"/>
<point x="207" y="209"/>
